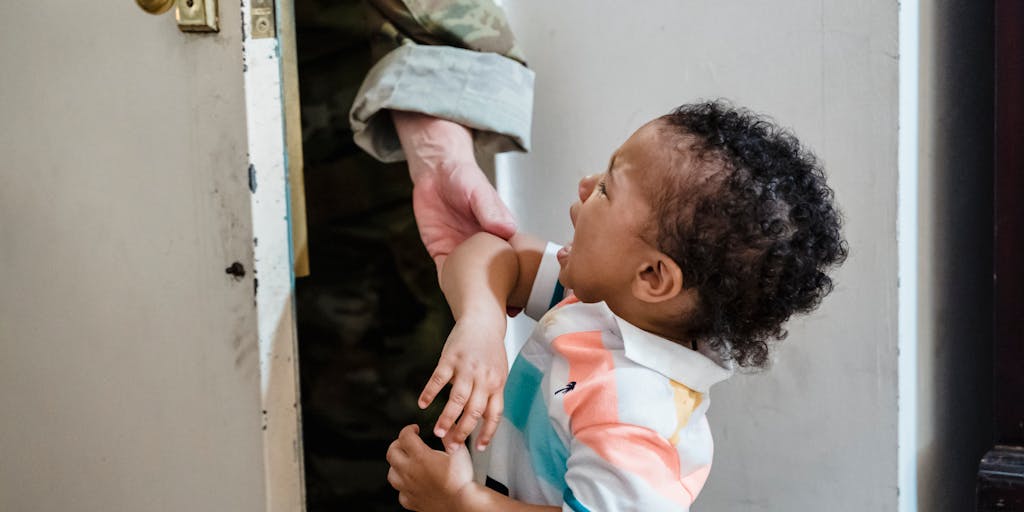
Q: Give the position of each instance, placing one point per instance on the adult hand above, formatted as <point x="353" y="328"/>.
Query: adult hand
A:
<point x="452" y="205"/>
<point x="452" y="199"/>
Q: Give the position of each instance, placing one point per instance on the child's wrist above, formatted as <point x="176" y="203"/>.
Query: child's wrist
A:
<point x="470" y="498"/>
<point x="484" y="309"/>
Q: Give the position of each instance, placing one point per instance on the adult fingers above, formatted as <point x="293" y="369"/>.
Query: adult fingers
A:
<point x="462" y="389"/>
<point x="492" y="214"/>
<point x="442" y="374"/>
<point x="439" y="263"/>
<point x="492" y="418"/>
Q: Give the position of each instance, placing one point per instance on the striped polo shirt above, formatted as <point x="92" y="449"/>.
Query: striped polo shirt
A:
<point x="599" y="414"/>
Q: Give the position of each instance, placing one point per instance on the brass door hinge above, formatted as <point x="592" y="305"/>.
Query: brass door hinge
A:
<point x="262" y="19"/>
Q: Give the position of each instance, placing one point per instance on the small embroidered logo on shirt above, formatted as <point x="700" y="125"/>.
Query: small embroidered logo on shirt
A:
<point x="568" y="387"/>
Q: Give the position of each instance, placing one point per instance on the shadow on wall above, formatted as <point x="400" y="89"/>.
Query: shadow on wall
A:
<point x="955" y="422"/>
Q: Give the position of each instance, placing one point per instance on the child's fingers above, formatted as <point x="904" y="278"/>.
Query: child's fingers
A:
<point x="442" y="374"/>
<point x="471" y="415"/>
<point x="492" y="418"/>
<point x="462" y="389"/>
<point x="395" y="479"/>
<point x="405" y="501"/>
<point x="409" y="442"/>
<point x="396" y="456"/>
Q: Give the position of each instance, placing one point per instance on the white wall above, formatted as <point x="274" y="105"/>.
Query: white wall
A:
<point x="818" y="431"/>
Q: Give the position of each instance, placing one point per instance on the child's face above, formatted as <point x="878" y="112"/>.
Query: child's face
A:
<point x="610" y="219"/>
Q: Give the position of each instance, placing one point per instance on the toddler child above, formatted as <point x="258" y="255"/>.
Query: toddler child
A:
<point x="710" y="227"/>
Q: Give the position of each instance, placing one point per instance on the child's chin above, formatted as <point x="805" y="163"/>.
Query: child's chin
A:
<point x="563" y="254"/>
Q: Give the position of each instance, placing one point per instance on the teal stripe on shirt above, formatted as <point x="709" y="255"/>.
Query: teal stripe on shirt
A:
<point x="570" y="499"/>
<point x="526" y="410"/>
<point x="558" y="295"/>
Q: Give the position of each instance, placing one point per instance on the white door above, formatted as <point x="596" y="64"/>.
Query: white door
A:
<point x="142" y="193"/>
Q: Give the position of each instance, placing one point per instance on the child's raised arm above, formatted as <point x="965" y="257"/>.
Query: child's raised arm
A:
<point x="481" y="278"/>
<point x="507" y="268"/>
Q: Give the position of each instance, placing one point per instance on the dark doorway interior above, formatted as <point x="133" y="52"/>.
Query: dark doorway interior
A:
<point x="371" y="318"/>
<point x="1001" y="472"/>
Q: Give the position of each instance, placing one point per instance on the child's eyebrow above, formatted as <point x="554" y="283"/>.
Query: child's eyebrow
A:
<point x="611" y="166"/>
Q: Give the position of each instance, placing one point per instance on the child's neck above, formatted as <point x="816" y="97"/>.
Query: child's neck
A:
<point x="661" y="319"/>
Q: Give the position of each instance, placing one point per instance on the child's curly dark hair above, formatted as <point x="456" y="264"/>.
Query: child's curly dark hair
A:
<point x="756" y="237"/>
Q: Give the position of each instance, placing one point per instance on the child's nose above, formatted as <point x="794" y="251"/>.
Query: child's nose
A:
<point x="586" y="186"/>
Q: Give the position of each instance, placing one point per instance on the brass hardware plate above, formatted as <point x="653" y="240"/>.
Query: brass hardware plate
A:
<point x="197" y="16"/>
<point x="262" y="18"/>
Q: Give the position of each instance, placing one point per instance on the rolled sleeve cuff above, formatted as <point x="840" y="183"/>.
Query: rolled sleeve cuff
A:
<point x="483" y="91"/>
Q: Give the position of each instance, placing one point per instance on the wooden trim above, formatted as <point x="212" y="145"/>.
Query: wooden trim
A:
<point x="293" y="136"/>
<point x="274" y="282"/>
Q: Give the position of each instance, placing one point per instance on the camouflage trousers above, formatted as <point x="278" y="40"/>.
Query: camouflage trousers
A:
<point x="371" y="324"/>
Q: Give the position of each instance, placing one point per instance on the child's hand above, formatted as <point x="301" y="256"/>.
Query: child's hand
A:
<point x="473" y="360"/>
<point x="427" y="479"/>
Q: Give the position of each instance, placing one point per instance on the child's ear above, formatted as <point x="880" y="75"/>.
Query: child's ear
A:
<point x="657" y="279"/>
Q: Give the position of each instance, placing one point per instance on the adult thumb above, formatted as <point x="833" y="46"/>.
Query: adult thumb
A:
<point x="492" y="214"/>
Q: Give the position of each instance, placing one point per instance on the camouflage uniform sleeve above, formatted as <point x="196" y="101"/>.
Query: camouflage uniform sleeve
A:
<point x="453" y="59"/>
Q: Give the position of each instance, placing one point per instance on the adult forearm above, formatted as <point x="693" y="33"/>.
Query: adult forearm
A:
<point x="432" y="144"/>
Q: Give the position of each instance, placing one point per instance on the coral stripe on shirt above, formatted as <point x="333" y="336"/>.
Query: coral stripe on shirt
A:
<point x="594" y="400"/>
<point x="592" y="408"/>
<point x="641" y="452"/>
<point x="571" y="299"/>
<point x="695" y="481"/>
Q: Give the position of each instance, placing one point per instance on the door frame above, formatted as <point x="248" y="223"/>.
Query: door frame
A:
<point x="272" y="121"/>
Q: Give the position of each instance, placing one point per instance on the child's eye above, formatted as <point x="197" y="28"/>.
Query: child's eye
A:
<point x="601" y="189"/>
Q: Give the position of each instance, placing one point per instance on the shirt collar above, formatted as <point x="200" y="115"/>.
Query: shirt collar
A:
<point x="693" y="369"/>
